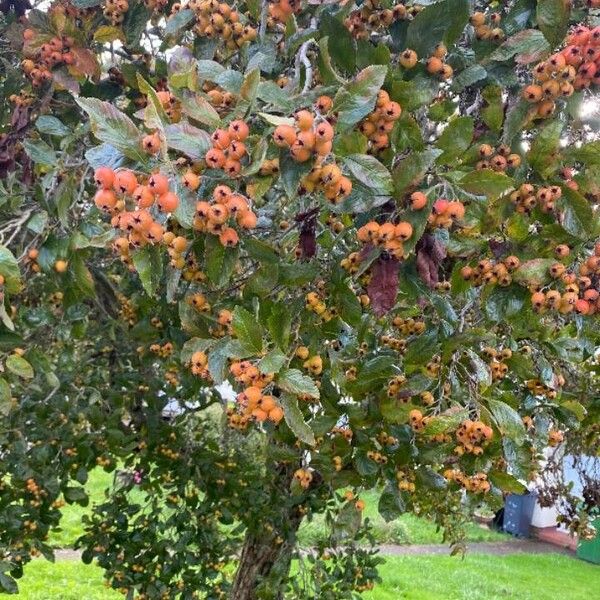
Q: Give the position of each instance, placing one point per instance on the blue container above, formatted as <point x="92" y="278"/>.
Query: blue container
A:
<point x="518" y="512"/>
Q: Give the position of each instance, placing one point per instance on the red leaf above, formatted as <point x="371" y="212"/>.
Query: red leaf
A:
<point x="383" y="286"/>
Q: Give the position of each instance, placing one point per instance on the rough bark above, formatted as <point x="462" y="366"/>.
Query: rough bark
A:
<point x="262" y="557"/>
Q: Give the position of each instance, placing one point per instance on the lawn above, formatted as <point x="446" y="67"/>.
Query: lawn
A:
<point x="408" y="529"/>
<point x="477" y="577"/>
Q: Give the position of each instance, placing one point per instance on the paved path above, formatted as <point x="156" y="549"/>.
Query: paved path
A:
<point x="498" y="548"/>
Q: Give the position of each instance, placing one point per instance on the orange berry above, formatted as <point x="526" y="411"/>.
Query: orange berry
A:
<point x="238" y="130"/>
<point x="304" y="120"/>
<point x="104" y="177"/>
<point x="105" y="199"/>
<point x="143" y="196"/>
<point x="284" y="136"/>
<point x="159" y="184"/>
<point x="168" y="202"/>
<point x="418" y="200"/>
<point x="191" y="181"/>
<point x="215" y="158"/>
<point x="125" y="182"/>
<point x="229" y="237"/>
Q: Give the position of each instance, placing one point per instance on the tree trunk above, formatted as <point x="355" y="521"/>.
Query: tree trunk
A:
<point x="262" y="557"/>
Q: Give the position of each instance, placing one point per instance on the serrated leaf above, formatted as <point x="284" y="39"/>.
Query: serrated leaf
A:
<point x="188" y="139"/>
<point x="455" y="139"/>
<point x="200" y="109"/>
<point x="507" y="420"/>
<point x="112" y="126"/>
<point x="50" y="125"/>
<point x="9" y="269"/>
<point x="577" y="216"/>
<point x="440" y="21"/>
<point x="179" y="21"/>
<point x="552" y="17"/>
<point x="369" y="171"/>
<point x="295" y="420"/>
<point x="543" y="154"/>
<point x="40" y="152"/>
<point x="481" y="371"/>
<point x="220" y="261"/>
<point x="527" y="46"/>
<point x="391" y="505"/>
<point x="534" y="272"/>
<point x="486" y="182"/>
<point x="295" y="382"/>
<point x="247" y="330"/>
<point x="506" y="483"/>
<point x="272" y="361"/>
<point x="149" y="266"/>
<point x="357" y="98"/>
<point x="411" y="170"/>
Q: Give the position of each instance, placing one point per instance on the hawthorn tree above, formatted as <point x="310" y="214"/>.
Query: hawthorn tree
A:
<point x="375" y="221"/>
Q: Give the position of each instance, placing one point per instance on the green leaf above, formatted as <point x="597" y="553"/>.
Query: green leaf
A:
<point x="188" y="139"/>
<point x="407" y="134"/>
<point x="107" y="33"/>
<point x="295" y="382"/>
<point x="135" y="23"/>
<point x="249" y="88"/>
<point x="411" y="170"/>
<point x="179" y="21"/>
<point x="200" y="109"/>
<point x="149" y="266"/>
<point x="349" y="143"/>
<point x="587" y="153"/>
<point x="534" y="272"/>
<point x="507" y="420"/>
<point x="195" y="345"/>
<point x="505" y="482"/>
<point x="516" y="118"/>
<point x="220" y="261"/>
<point x="347" y="303"/>
<point x="578" y="217"/>
<point x="486" y="182"/>
<point x="340" y="43"/>
<point x="502" y="303"/>
<point x="5" y="397"/>
<point x="552" y="18"/>
<point x="391" y="505"/>
<point x="272" y="362"/>
<point x="455" y="139"/>
<point x="468" y="77"/>
<point x="439" y="22"/>
<point x="247" y="330"/>
<point x="279" y="325"/>
<point x="110" y="125"/>
<point x="357" y="99"/>
<point x="19" y="366"/>
<point x="527" y="46"/>
<point x="543" y="154"/>
<point x="481" y="371"/>
<point x="416" y="92"/>
<point x="40" y="152"/>
<point x="9" y="269"/>
<point x="493" y="112"/>
<point x="295" y="420"/>
<point x="429" y="478"/>
<point x="372" y="375"/>
<point x="50" y="125"/>
<point x="291" y="172"/>
<point x="445" y="422"/>
<point x="369" y="171"/>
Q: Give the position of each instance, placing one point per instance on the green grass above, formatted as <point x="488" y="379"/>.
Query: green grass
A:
<point x="477" y="577"/>
<point x="63" y="580"/>
<point x="408" y="529"/>
<point x="486" y="577"/>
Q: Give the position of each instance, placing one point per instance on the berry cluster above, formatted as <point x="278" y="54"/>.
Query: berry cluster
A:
<point x="388" y="235"/>
<point x="171" y="105"/>
<point x="219" y="20"/>
<point x="477" y="483"/>
<point x="490" y="272"/>
<point x="307" y="137"/>
<point x="176" y="247"/>
<point x="417" y="420"/>
<point x="228" y="149"/>
<point x="218" y="97"/>
<point x="575" y="67"/>
<point x="409" y="326"/>
<point x="259" y="406"/>
<point x="53" y="53"/>
<point x="498" y="367"/>
<point x="315" y="303"/>
<point x="378" y="125"/>
<point x="372" y="16"/>
<point x="114" y="11"/>
<point x="435" y="63"/>
<point x="303" y="477"/>
<point x="281" y="10"/>
<point x="116" y="189"/>
<point x="406" y="480"/>
<point x="214" y="217"/>
<point x="486" y="26"/>
<point x="446" y="212"/>
<point x="472" y="436"/>
<point x="328" y="179"/>
<point x="527" y="197"/>
<point x="499" y="159"/>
